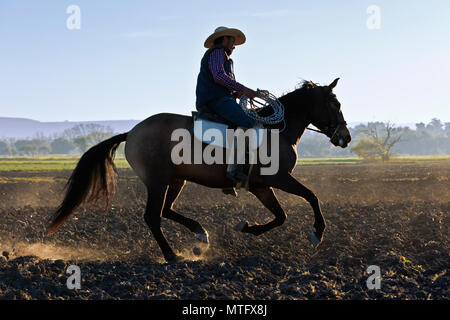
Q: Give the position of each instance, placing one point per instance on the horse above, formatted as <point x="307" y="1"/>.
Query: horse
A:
<point x="148" y="151"/>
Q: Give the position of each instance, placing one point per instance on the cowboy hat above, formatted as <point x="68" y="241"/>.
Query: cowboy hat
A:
<point x="224" y="31"/>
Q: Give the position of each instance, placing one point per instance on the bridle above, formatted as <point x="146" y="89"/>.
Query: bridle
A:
<point x="329" y="130"/>
<point x="326" y="131"/>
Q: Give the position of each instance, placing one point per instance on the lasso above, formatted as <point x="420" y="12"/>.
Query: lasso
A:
<point x="269" y="100"/>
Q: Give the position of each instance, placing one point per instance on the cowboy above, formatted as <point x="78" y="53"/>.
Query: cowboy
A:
<point x="217" y="88"/>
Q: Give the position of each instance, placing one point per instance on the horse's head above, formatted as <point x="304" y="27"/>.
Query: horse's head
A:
<point x="326" y="115"/>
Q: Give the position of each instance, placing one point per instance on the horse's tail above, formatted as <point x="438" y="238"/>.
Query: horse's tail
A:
<point x="90" y="181"/>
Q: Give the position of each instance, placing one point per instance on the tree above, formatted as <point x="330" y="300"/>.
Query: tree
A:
<point x="24" y="146"/>
<point x="44" y="149"/>
<point x="375" y="144"/>
<point x="420" y="127"/>
<point x="81" y="143"/>
<point x="366" y="149"/>
<point x="84" y="136"/>
<point x="20" y="145"/>
<point x="435" y="126"/>
<point x="61" y="146"/>
<point x="30" y="149"/>
<point x="96" y="137"/>
<point x="447" y="129"/>
<point x="4" y="148"/>
<point x="84" y="130"/>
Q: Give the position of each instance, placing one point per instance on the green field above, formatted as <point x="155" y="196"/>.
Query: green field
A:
<point x="42" y="163"/>
<point x="68" y="162"/>
<point x="355" y="160"/>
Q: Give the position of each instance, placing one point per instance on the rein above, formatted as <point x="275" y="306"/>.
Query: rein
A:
<point x="312" y="129"/>
<point x="338" y="125"/>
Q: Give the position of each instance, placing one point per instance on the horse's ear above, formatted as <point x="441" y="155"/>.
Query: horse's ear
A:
<point x="333" y="84"/>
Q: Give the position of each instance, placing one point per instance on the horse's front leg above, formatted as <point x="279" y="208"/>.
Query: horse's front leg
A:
<point x="270" y="201"/>
<point x="288" y="183"/>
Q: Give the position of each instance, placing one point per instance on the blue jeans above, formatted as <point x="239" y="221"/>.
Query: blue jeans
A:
<point x="228" y="108"/>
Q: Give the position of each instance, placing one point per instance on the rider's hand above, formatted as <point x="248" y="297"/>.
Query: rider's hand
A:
<point x="238" y="95"/>
<point x="251" y="94"/>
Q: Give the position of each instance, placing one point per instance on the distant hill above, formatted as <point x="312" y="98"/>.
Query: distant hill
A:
<point x="28" y="128"/>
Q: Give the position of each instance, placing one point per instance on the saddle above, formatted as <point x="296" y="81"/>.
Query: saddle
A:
<point x="206" y="113"/>
<point x="203" y="121"/>
<point x="210" y="116"/>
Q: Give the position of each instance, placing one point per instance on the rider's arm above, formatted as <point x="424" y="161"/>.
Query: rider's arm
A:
<point x="216" y="62"/>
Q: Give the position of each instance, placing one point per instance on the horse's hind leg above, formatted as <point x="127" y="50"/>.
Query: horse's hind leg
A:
<point x="175" y="188"/>
<point x="155" y="203"/>
<point x="270" y="201"/>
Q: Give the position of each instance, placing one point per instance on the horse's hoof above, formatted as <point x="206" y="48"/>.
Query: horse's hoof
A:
<point x="200" y="249"/>
<point x="203" y="237"/>
<point x="175" y="258"/>
<point x="197" y="251"/>
<point x="241" y="226"/>
<point x="314" y="240"/>
<point x="230" y="191"/>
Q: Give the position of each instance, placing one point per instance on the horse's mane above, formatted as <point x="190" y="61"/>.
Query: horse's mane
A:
<point x="290" y="99"/>
<point x="306" y="84"/>
<point x="302" y="86"/>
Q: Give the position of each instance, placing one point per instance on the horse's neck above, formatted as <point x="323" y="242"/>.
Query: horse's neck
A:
<point x="296" y="108"/>
<point x="294" y="132"/>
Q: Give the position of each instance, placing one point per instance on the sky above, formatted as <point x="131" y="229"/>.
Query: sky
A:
<point x="132" y="59"/>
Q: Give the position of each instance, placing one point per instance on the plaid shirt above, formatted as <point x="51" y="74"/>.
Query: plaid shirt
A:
<point x="216" y="61"/>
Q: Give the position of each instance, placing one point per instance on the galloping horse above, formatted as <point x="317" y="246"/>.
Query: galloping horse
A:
<point x="148" y="151"/>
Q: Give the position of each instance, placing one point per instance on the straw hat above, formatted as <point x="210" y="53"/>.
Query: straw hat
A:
<point x="224" y="31"/>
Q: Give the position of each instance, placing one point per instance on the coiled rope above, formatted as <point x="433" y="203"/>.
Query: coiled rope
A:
<point x="268" y="99"/>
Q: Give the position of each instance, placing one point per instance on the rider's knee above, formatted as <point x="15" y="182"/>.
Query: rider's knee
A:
<point x="247" y="123"/>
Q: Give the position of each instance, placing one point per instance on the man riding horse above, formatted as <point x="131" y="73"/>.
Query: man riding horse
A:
<point x="149" y="146"/>
<point x="217" y="88"/>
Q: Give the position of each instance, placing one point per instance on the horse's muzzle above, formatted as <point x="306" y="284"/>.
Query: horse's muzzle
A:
<point x="342" y="138"/>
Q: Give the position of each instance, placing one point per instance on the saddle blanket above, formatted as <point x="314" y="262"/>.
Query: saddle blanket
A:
<point x="220" y="135"/>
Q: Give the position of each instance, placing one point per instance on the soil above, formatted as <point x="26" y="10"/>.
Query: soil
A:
<point x="394" y="216"/>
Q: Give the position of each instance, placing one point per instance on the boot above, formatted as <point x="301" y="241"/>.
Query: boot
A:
<point x="236" y="171"/>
